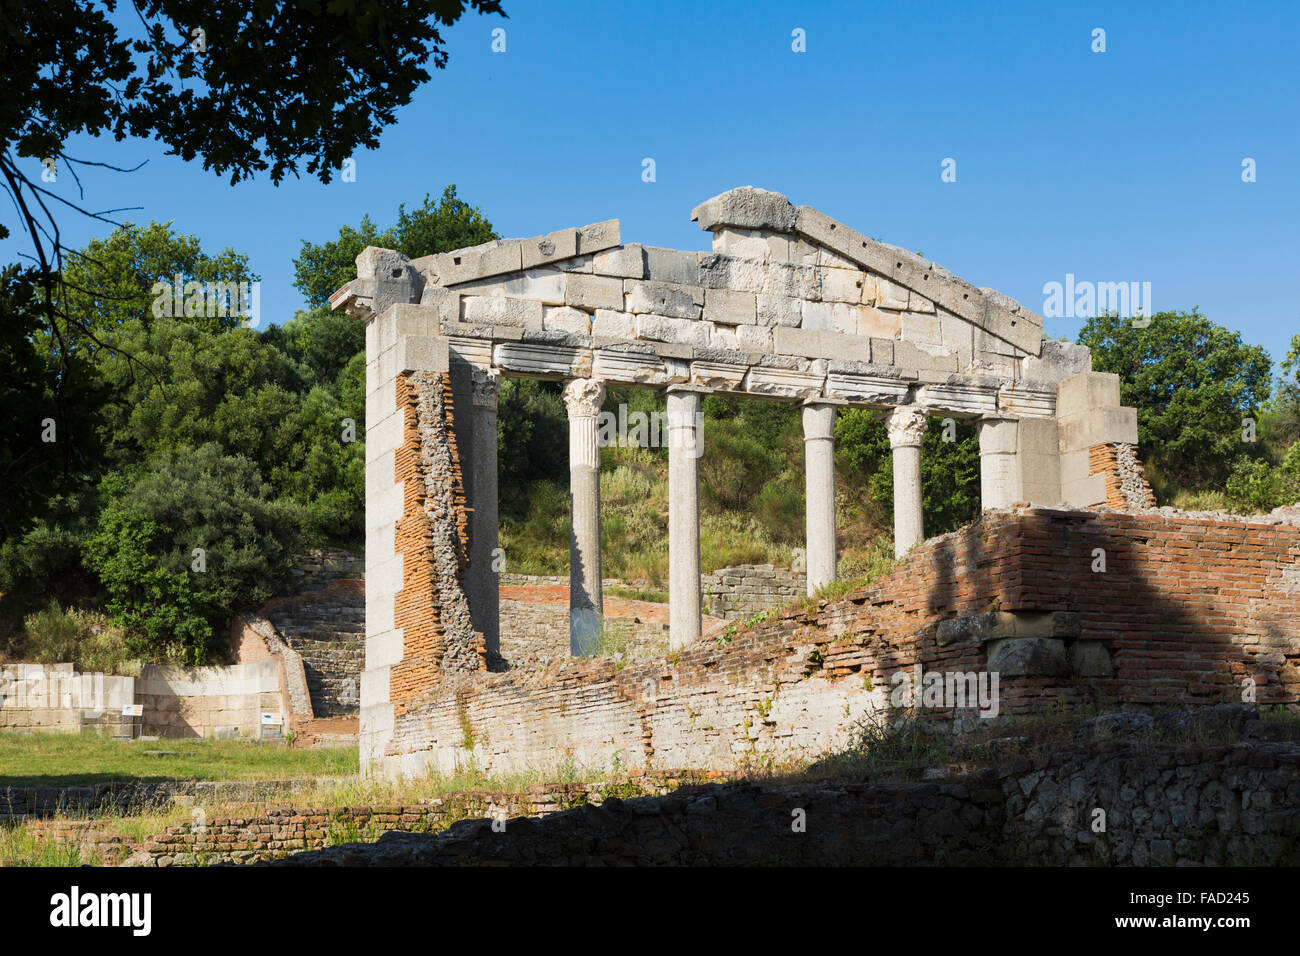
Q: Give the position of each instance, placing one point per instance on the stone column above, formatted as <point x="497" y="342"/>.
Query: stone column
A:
<point x="999" y="479"/>
<point x="906" y="426"/>
<point x="583" y="398"/>
<point x="684" y="447"/>
<point x="484" y="583"/>
<point x="819" y="492"/>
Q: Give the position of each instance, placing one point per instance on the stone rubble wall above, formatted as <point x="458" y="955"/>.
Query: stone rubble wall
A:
<point x="740" y="592"/>
<point x="317" y="567"/>
<point x="326" y="627"/>
<point x="1216" y="805"/>
<point x="140" y="796"/>
<point x="1185" y="610"/>
<point x="273" y="833"/>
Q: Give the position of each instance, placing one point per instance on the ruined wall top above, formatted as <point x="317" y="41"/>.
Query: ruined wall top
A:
<point x="788" y="304"/>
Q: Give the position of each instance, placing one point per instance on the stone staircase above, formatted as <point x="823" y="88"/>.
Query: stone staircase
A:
<point x="327" y="627"/>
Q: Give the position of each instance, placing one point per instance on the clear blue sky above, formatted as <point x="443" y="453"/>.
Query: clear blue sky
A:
<point x="1115" y="166"/>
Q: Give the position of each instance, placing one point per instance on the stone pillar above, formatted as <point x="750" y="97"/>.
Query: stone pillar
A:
<point x="684" y="447"/>
<point x="583" y="398"/>
<point x="484" y="584"/>
<point x="999" y="476"/>
<point x="906" y="426"/>
<point x="819" y="492"/>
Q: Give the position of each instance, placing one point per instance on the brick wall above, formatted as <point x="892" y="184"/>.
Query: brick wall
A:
<point x="1126" y="483"/>
<point x="431" y="609"/>
<point x="1184" y="610"/>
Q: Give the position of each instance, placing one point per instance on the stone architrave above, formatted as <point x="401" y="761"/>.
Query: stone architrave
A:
<point x="583" y="398"/>
<point x="906" y="426"/>
<point x="684" y="447"/>
<point x="482" y="580"/>
<point x="819" y="492"/>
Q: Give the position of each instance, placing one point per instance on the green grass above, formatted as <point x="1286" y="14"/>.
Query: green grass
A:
<point x="60" y="759"/>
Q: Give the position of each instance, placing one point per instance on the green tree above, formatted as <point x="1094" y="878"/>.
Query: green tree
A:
<point x="248" y="88"/>
<point x="450" y="223"/>
<point x="189" y="541"/>
<point x="1192" y="382"/>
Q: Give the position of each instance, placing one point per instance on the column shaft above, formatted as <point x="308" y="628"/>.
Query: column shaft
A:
<point x="906" y="426"/>
<point x="819" y="492"/>
<point x="484" y="582"/>
<point x="583" y="398"/>
<point x="684" y="446"/>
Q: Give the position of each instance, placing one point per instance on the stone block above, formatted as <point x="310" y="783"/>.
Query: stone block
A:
<point x="1087" y="391"/>
<point x="591" y="292"/>
<point x="918" y="303"/>
<point x="866" y="389"/>
<point x="626" y="262"/>
<point x="663" y="298"/>
<point x="874" y="322"/>
<point x="1005" y="625"/>
<point x="566" y="319"/>
<point x="444" y="302"/>
<point x="921" y="329"/>
<point x="783" y="383"/>
<point x="614" y="324"/>
<point x="1100" y="426"/>
<point x="747" y="208"/>
<point x="552" y="247"/>
<point x="816" y="316"/>
<point x="754" y="338"/>
<point x="671" y="265"/>
<point x="730" y="308"/>
<point x="883" y="351"/>
<point x="1090" y="659"/>
<point x="723" y="337"/>
<point x="662" y="328"/>
<point x="1028" y="657"/>
<point x="424" y="353"/>
<point x="891" y="295"/>
<point x="811" y="343"/>
<point x="841" y="285"/>
<point x="616" y="365"/>
<point x="544" y="285"/>
<point x="598" y="236"/>
<point x="1058" y="361"/>
<point x="542" y="360"/>
<point x="846" y="318"/>
<point x="491" y="310"/>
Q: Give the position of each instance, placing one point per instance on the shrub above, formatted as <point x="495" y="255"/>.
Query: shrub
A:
<point x="144" y="549"/>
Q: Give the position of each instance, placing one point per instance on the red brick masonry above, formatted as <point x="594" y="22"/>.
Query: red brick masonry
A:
<point x="1188" y="609"/>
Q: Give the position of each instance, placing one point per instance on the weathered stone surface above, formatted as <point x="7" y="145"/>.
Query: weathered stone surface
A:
<point x="593" y="292"/>
<point x="1028" y="657"/>
<point x="663" y="298"/>
<point x="748" y="208"/>
<point x="730" y="308"/>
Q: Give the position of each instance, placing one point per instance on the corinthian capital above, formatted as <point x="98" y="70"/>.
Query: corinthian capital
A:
<point x="906" y="426"/>
<point x="485" y="386"/>
<point x="583" y="397"/>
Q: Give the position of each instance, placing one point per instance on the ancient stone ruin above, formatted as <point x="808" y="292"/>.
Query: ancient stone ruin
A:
<point x="790" y="305"/>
